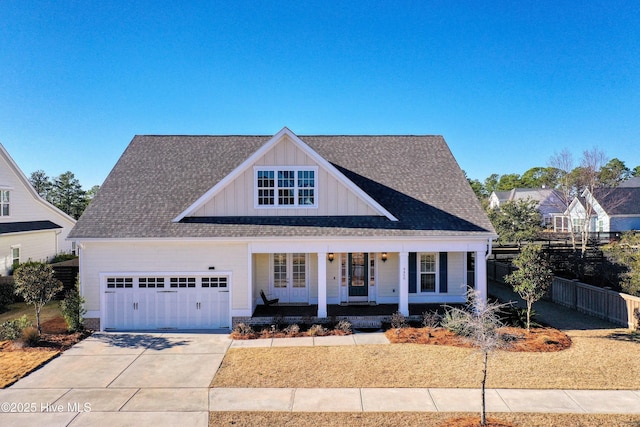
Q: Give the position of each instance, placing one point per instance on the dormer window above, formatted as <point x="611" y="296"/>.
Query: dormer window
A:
<point x="286" y="187"/>
<point x="4" y="202"/>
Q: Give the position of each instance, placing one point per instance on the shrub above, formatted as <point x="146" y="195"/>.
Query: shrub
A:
<point x="243" y="329"/>
<point x="316" y="330"/>
<point x="61" y="258"/>
<point x="636" y="314"/>
<point x="7" y="295"/>
<point x="30" y="336"/>
<point x="12" y="329"/>
<point x="398" y="320"/>
<point x="344" y="326"/>
<point x="454" y="321"/>
<point x="73" y="310"/>
<point x="292" y="329"/>
<point x="517" y="317"/>
<point x="431" y="319"/>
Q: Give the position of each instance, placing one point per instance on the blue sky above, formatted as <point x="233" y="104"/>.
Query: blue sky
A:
<point x="507" y="83"/>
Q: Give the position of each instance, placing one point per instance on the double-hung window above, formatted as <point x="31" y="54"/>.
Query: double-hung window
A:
<point x="286" y="187"/>
<point x="4" y="202"/>
<point x="428" y="272"/>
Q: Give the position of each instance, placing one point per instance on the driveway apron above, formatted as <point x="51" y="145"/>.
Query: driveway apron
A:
<point x="113" y="378"/>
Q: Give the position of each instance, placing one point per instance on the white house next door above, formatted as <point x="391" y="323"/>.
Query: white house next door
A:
<point x="289" y="282"/>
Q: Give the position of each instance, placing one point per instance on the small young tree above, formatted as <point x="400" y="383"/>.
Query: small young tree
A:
<point x="35" y="283"/>
<point x="478" y="323"/>
<point x="72" y="309"/>
<point x="532" y="278"/>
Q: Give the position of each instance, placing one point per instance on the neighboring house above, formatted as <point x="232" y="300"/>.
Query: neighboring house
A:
<point x="550" y="203"/>
<point x="30" y="227"/>
<point x="610" y="210"/>
<point x="187" y="230"/>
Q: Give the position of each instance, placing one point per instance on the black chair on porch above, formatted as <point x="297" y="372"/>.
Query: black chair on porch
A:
<point x="267" y="301"/>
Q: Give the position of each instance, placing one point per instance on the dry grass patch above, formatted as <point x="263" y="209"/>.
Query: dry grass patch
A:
<point x="393" y="419"/>
<point x="597" y="359"/>
<point x="535" y="340"/>
<point x="17" y="360"/>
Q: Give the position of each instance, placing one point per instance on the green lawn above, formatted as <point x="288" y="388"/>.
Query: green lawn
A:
<point x="18" y="309"/>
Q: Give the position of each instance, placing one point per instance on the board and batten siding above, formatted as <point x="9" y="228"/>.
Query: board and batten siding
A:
<point x="176" y="257"/>
<point x="237" y="197"/>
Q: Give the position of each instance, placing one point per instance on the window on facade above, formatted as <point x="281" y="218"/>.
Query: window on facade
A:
<point x="280" y="270"/>
<point x="4" y="203"/>
<point x="15" y="257"/>
<point x="266" y="188"/>
<point x="286" y="188"/>
<point x="299" y="270"/>
<point x="427" y="272"/>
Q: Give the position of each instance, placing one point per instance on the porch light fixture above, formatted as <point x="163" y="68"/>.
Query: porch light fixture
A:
<point x="383" y="257"/>
<point x="330" y="256"/>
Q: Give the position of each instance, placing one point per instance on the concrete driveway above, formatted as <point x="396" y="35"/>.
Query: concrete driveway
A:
<point x="110" y="378"/>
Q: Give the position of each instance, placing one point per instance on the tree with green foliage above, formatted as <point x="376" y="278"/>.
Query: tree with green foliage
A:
<point x="35" y="282"/>
<point x="532" y="278"/>
<point x="613" y="173"/>
<point x="72" y="309"/>
<point x="41" y="183"/>
<point x="509" y="182"/>
<point x="491" y="183"/>
<point x="539" y="177"/>
<point x="626" y="252"/>
<point x="516" y="221"/>
<point x="636" y="171"/>
<point x="68" y="196"/>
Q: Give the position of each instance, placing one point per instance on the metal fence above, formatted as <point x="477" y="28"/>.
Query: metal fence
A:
<point x="615" y="307"/>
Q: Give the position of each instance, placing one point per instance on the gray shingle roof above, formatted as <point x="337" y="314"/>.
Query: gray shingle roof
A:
<point x="619" y="200"/>
<point x="416" y="178"/>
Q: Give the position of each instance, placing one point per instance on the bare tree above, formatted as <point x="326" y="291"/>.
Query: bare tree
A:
<point x="478" y="323"/>
<point x="563" y="162"/>
<point x="590" y="165"/>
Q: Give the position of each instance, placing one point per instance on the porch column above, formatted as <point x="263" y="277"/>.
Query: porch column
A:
<point x="322" y="284"/>
<point x="481" y="275"/>
<point x="403" y="280"/>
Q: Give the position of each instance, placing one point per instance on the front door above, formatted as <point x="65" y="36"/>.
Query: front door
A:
<point x="290" y="278"/>
<point x="358" y="277"/>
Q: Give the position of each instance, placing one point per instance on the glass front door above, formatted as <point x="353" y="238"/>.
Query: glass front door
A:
<point x="358" y="277"/>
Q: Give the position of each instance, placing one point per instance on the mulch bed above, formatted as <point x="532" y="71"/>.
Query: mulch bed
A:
<point x="54" y="336"/>
<point x="267" y="333"/>
<point x="536" y="340"/>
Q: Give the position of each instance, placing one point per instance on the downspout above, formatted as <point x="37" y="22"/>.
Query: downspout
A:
<point x="489" y="249"/>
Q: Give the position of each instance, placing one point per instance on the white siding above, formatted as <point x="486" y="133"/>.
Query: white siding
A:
<point x="105" y="257"/>
<point x="35" y="246"/>
<point x="237" y="197"/>
<point x="456" y="273"/>
<point x="24" y="206"/>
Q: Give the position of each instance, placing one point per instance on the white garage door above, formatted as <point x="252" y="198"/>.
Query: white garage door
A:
<point x="156" y="301"/>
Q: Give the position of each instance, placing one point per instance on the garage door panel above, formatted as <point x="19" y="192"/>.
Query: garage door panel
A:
<point x="184" y="302"/>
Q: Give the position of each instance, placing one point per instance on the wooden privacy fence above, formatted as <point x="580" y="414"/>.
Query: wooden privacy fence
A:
<point x="606" y="304"/>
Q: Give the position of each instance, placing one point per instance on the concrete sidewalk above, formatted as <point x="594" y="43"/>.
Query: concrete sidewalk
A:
<point x="162" y="379"/>
<point x="423" y="400"/>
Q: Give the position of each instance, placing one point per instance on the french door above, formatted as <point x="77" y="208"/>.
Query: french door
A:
<point x="289" y="282"/>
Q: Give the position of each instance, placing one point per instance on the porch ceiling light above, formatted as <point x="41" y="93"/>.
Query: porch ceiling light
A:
<point x="384" y="257"/>
<point x="330" y="256"/>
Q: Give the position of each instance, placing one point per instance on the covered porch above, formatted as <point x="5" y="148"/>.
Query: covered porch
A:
<point x="372" y="278"/>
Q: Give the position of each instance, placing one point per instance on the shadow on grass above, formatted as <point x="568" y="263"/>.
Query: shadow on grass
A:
<point x="628" y="336"/>
<point x="147" y="341"/>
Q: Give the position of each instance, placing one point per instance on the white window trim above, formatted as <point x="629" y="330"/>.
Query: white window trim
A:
<point x="436" y="290"/>
<point x="295" y="170"/>
<point x="13" y="247"/>
<point x="289" y="270"/>
<point x="8" y="203"/>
